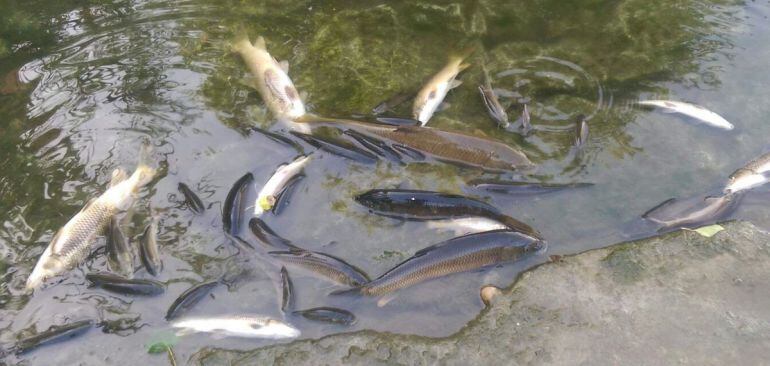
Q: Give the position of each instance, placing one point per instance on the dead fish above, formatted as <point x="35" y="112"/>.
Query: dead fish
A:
<point x="374" y="145"/>
<point x="287" y="290"/>
<point x="73" y="241"/>
<point x="246" y="326"/>
<point x="461" y="254"/>
<point x="189" y="298"/>
<point x="275" y="186"/>
<point x="338" y="147"/>
<point x="191" y="199"/>
<point x="690" y="110"/>
<point x="523" y="188"/>
<point x="427" y="205"/>
<point x="325" y="265"/>
<point x="495" y="109"/>
<point x="271" y="79"/>
<point x="328" y="315"/>
<point x="753" y="174"/>
<point x="432" y="94"/>
<point x="122" y="285"/>
<point x="526" y="120"/>
<point x="54" y="334"/>
<point x="118" y="252"/>
<point x="268" y="237"/>
<point x="148" y="249"/>
<point x="393" y="102"/>
<point x="231" y="212"/>
<point x="692" y="212"/>
<point x="581" y="131"/>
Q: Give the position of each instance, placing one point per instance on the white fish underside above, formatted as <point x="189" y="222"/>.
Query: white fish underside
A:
<point x="466" y="225"/>
<point x="690" y="110"/>
<point x="237" y="326"/>
<point x="277" y="183"/>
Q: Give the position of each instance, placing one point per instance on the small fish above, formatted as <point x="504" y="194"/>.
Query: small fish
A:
<point x="53" y="334"/>
<point x="325" y="265"/>
<point x="526" y="120"/>
<point x="427" y="205"/>
<point x="461" y="254"/>
<point x="395" y="121"/>
<point x="245" y="326"/>
<point x="338" y="147"/>
<point x="231" y="213"/>
<point x="690" y="110"/>
<point x="271" y="79"/>
<point x="268" y="237"/>
<point x="72" y="242"/>
<point x="148" y="249"/>
<point x="393" y="102"/>
<point x="275" y="186"/>
<point x="466" y="225"/>
<point x="581" y="131"/>
<point x="328" y="315"/>
<point x="287" y="291"/>
<point x="122" y="285"/>
<point x="118" y="251"/>
<point x="189" y="298"/>
<point x="495" y="109"/>
<point x="280" y="139"/>
<point x="523" y="188"/>
<point x="692" y="212"/>
<point x="753" y="174"/>
<point x="191" y="199"/>
<point x="374" y="145"/>
<point x="432" y="94"/>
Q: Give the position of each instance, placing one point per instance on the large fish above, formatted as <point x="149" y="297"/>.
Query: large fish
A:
<point x="73" y="241"/>
<point x="753" y="174"/>
<point x="426" y="205"/>
<point x="324" y="265"/>
<point x="432" y="94"/>
<point x="271" y="79"/>
<point x="692" y="212"/>
<point x="275" y="186"/>
<point x="246" y="326"/>
<point x="461" y="254"/>
<point x="690" y="110"/>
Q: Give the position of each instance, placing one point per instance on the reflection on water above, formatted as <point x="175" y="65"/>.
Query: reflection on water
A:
<point x="85" y="83"/>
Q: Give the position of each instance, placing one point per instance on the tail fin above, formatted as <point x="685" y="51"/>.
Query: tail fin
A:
<point x="259" y="43"/>
<point x="460" y="57"/>
<point x="143" y="168"/>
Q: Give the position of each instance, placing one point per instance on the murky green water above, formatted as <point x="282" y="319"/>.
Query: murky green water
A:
<point x="85" y="82"/>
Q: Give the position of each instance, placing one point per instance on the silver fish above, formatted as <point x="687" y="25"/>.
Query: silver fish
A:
<point x="581" y="131"/>
<point x="246" y="326"/>
<point x="54" y="334"/>
<point x="526" y="121"/>
<point x="753" y="174"/>
<point x="690" y="110"/>
<point x="432" y="94"/>
<point x="268" y="195"/>
<point x="72" y="242"/>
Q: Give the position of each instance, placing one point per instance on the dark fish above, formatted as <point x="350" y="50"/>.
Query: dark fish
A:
<point x="280" y="139"/>
<point x="526" y="121"/>
<point x="189" y="298"/>
<point x="693" y="211"/>
<point x="495" y="109"/>
<point x="523" y="188"/>
<point x="328" y="315"/>
<point x="287" y="290"/>
<point x="395" y="121"/>
<point x="393" y="102"/>
<point x="148" y="248"/>
<point x="325" y="265"/>
<point x="338" y="147"/>
<point x="53" y="334"/>
<point x="427" y="205"/>
<point x="374" y="145"/>
<point x="283" y="199"/>
<point x="231" y="213"/>
<point x="118" y="252"/>
<point x="268" y="237"/>
<point x="113" y="283"/>
<point x="581" y="131"/>
<point x="191" y="199"/>
<point x="461" y="254"/>
<point x="408" y="151"/>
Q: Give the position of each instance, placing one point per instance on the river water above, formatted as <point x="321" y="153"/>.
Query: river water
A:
<point x="84" y="83"/>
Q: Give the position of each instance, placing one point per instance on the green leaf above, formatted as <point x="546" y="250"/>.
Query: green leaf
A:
<point x="709" y="231"/>
<point x="158" y="347"/>
<point x="161" y="343"/>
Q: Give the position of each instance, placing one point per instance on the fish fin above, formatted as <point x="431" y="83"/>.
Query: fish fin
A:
<point x="260" y="43"/>
<point x="284" y="66"/>
<point x="384" y="300"/>
<point x="355" y="291"/>
<point x="443" y="106"/>
<point x="455" y="83"/>
<point x="118" y="175"/>
<point x="646" y="214"/>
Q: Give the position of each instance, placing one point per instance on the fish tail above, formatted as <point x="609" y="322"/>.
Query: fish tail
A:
<point x="355" y="291"/>
<point x="240" y="44"/>
<point x="143" y="168"/>
<point x="460" y="57"/>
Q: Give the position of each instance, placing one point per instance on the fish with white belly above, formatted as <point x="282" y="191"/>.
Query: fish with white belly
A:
<point x="431" y="96"/>
<point x="691" y="110"/>
<point x="284" y="176"/>
<point x="753" y="174"/>
<point x="245" y="326"/>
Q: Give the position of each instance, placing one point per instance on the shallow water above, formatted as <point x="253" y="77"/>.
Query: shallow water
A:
<point x="85" y="83"/>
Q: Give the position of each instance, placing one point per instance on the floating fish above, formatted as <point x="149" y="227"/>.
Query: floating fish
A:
<point x="275" y="186"/>
<point x="189" y="298"/>
<point x="268" y="237"/>
<point x="191" y="199"/>
<point x="581" y="131"/>
<point x="692" y="212"/>
<point x="118" y="252"/>
<point x="753" y="174"/>
<point x="287" y="291"/>
<point x="122" y="285"/>
<point x="432" y="94"/>
<point x="245" y="326"/>
<point x="523" y="188"/>
<point x="148" y="249"/>
<point x="338" y="147"/>
<point x="690" y="110"/>
<point x="466" y="225"/>
<point x="393" y="102"/>
<point x="54" y="334"/>
<point x="271" y="79"/>
<point x="324" y="265"/>
<point x="231" y="212"/>
<point x="461" y="254"/>
<point x="328" y="315"/>
<point x="427" y="205"/>
<point x="73" y="241"/>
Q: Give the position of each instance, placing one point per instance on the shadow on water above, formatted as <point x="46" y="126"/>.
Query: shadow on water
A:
<point x="86" y="82"/>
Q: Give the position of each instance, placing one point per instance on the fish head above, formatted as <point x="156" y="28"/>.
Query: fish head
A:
<point x="744" y="179"/>
<point x="48" y="266"/>
<point x="375" y="199"/>
<point x="536" y="247"/>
